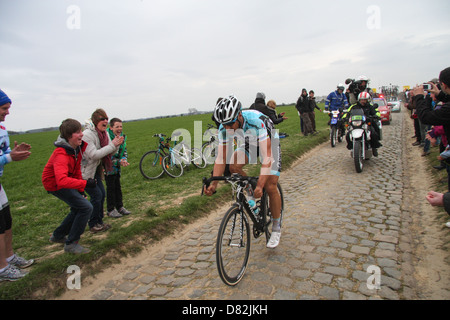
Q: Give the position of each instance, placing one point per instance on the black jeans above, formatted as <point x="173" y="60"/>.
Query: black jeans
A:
<point x="113" y="192"/>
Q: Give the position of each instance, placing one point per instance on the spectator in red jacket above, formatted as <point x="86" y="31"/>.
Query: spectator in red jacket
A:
<point x="62" y="178"/>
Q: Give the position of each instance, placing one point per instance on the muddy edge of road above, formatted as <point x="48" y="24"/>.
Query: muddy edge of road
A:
<point x="428" y="236"/>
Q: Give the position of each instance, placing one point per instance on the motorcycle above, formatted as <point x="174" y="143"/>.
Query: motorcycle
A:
<point x="359" y="134"/>
<point x="337" y="132"/>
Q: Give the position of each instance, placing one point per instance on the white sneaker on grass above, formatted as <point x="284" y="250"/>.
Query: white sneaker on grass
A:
<point x="12" y="273"/>
<point x="20" y="262"/>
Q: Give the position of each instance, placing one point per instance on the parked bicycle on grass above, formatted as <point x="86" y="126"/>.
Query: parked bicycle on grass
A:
<point x="209" y="148"/>
<point x="181" y="155"/>
<point x="171" y="160"/>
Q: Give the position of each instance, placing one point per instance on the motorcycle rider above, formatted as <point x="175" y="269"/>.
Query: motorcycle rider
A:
<point x="357" y="87"/>
<point x="372" y="114"/>
<point x="336" y="100"/>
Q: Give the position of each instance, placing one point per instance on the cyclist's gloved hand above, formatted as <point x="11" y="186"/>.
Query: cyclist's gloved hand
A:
<point x="210" y="190"/>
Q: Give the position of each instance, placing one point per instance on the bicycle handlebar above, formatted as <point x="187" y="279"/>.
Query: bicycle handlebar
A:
<point x="233" y="178"/>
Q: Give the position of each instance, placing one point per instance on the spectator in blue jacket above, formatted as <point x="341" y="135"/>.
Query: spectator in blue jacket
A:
<point x="10" y="263"/>
<point x="336" y="100"/>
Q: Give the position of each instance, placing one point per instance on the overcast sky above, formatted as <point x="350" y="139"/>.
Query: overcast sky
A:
<point x="143" y="58"/>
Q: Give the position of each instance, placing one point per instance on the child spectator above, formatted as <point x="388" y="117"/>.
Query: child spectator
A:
<point x="62" y="178"/>
<point x="114" y="201"/>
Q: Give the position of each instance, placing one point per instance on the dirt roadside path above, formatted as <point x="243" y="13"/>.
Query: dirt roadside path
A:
<point x="431" y="254"/>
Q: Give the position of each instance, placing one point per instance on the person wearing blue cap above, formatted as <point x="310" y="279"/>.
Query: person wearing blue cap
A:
<point x="11" y="265"/>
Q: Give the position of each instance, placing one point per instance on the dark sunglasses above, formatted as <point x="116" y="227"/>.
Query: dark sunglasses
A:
<point x="229" y="123"/>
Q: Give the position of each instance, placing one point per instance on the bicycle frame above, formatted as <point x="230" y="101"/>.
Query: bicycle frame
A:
<point x="161" y="148"/>
<point x="184" y="155"/>
<point x="238" y="184"/>
<point x="233" y="245"/>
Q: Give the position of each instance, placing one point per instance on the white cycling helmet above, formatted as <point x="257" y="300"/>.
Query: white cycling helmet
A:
<point x="363" y="96"/>
<point x="363" y="78"/>
<point x="227" y="110"/>
<point x="340" y="86"/>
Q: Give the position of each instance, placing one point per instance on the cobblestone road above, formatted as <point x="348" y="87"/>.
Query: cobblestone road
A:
<point x="337" y="224"/>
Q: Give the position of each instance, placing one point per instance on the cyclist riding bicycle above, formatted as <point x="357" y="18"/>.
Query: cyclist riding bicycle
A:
<point x="255" y="136"/>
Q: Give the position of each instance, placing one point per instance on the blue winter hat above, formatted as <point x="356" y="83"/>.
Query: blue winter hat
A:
<point x="4" y="99"/>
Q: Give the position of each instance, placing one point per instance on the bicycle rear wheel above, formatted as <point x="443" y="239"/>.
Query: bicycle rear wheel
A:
<point x="233" y="246"/>
<point x="197" y="158"/>
<point x="210" y="151"/>
<point x="172" y="166"/>
<point x="267" y="214"/>
<point x="150" y="165"/>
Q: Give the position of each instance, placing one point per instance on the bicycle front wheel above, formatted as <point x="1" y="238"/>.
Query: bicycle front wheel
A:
<point x="151" y="165"/>
<point x="233" y="246"/>
<point x="172" y="166"/>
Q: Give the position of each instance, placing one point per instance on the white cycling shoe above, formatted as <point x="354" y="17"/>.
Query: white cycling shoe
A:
<point x="274" y="240"/>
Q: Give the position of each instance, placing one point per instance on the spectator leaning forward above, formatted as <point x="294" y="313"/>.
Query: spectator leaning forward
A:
<point x="424" y="108"/>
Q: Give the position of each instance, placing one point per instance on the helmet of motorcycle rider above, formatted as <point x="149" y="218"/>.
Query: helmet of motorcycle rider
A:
<point x="227" y="110"/>
<point x="340" y="86"/>
<point x="363" y="96"/>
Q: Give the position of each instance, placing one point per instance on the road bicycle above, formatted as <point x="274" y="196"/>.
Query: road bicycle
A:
<point x="150" y="164"/>
<point x="234" y="236"/>
<point x="171" y="160"/>
<point x="209" y="148"/>
<point x="179" y="156"/>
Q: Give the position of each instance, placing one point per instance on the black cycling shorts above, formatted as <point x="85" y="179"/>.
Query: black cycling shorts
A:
<point x="5" y="219"/>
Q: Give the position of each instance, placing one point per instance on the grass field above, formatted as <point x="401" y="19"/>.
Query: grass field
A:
<point x="158" y="207"/>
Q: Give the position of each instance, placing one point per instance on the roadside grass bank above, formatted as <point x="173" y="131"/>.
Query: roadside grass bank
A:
<point x="159" y="207"/>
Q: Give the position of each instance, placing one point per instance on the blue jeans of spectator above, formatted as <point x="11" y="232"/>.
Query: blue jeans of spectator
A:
<point x="75" y="222"/>
<point x="97" y="195"/>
